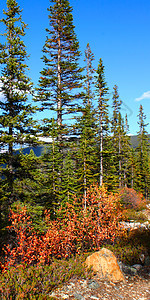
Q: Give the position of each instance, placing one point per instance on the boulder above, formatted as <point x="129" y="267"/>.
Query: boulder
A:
<point x="105" y="264"/>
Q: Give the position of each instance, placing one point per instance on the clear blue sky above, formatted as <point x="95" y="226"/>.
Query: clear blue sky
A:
<point x="118" y="32"/>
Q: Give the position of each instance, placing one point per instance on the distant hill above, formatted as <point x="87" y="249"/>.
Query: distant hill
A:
<point x="134" y="140"/>
<point x="38" y="150"/>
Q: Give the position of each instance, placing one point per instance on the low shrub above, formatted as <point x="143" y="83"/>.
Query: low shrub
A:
<point x="128" y="254"/>
<point x="75" y="231"/>
<point x="130" y="199"/>
<point x="36" y="282"/>
<point x="129" y="248"/>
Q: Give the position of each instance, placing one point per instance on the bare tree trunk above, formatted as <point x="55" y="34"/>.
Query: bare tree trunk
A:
<point x="59" y="102"/>
<point x="132" y="174"/>
<point x="85" y="183"/>
<point x="10" y="166"/>
<point x="53" y="167"/>
<point x="101" y="152"/>
<point x="88" y="83"/>
<point x="119" y="161"/>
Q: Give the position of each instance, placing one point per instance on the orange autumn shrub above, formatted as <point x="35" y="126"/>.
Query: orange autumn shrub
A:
<point x="131" y="199"/>
<point x="100" y="221"/>
<point x="74" y="231"/>
<point x="24" y="248"/>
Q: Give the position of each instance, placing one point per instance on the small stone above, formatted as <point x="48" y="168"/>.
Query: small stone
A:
<point x="129" y="270"/>
<point x="78" y="296"/>
<point x="138" y="267"/>
<point x="64" y="296"/>
<point x="93" y="284"/>
<point x="84" y="284"/>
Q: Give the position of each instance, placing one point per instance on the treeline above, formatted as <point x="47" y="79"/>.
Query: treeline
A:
<point x="88" y="144"/>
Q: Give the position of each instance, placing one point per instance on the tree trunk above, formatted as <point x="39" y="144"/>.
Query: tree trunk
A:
<point x="101" y="152"/>
<point x="119" y="161"/>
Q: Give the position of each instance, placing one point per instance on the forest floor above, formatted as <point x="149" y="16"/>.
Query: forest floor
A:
<point x="134" y="288"/>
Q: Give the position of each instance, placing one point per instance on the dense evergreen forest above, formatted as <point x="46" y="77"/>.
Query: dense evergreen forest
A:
<point x="89" y="142"/>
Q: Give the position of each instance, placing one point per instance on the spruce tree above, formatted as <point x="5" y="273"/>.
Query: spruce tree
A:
<point x="61" y="77"/>
<point x="132" y="169"/>
<point x="15" y="119"/>
<point x="116" y="129"/>
<point x="86" y="131"/>
<point x="86" y="154"/>
<point x="69" y="181"/>
<point x="120" y="142"/>
<point x="102" y="114"/>
<point x="126" y="154"/>
<point x="52" y="159"/>
<point x="89" y="78"/>
<point x="142" y="155"/>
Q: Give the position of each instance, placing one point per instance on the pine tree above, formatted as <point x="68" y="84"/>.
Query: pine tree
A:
<point x="120" y="141"/>
<point x="15" y="119"/>
<point x="116" y="131"/>
<point x="126" y="154"/>
<point x="69" y="180"/>
<point x="102" y="92"/>
<point x="89" y="78"/>
<point x="52" y="159"/>
<point x="29" y="186"/>
<point x="86" y="131"/>
<point x="61" y="77"/>
<point x="132" y="169"/>
<point x="142" y="154"/>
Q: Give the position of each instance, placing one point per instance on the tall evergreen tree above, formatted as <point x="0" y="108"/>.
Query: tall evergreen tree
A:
<point x="126" y="155"/>
<point x="120" y="142"/>
<point x="132" y="169"/>
<point x="15" y="119"/>
<point x="116" y="129"/>
<point x="69" y="180"/>
<point x="120" y="139"/>
<point x="52" y="159"/>
<point x="102" y="93"/>
<point x="86" y="130"/>
<point x="61" y="77"/>
<point x="89" y="78"/>
<point x="142" y="154"/>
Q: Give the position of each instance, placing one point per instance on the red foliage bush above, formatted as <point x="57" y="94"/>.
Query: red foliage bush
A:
<point x="131" y="199"/>
<point x="75" y="231"/>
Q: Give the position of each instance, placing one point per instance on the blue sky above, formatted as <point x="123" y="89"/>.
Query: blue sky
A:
<point x="118" y="32"/>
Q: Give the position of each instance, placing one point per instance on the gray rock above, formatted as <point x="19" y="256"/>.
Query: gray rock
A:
<point x="145" y="259"/>
<point x="138" y="267"/>
<point x="129" y="270"/>
<point x="78" y="296"/>
<point x="93" y="284"/>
